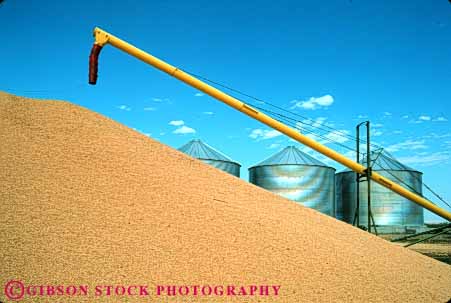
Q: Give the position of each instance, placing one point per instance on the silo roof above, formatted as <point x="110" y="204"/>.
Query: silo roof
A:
<point x="291" y="155"/>
<point x="201" y="150"/>
<point x="384" y="161"/>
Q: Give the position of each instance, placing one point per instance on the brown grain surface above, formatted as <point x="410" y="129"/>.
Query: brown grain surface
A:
<point x="85" y="200"/>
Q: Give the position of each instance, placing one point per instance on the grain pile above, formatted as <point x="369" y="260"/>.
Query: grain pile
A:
<point x="85" y="200"/>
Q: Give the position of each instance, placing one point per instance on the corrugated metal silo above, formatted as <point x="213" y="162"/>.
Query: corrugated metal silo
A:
<point x="207" y="154"/>
<point x="388" y="208"/>
<point x="298" y="177"/>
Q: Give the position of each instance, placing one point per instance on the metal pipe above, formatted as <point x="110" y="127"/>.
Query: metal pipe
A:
<point x="368" y="173"/>
<point x="102" y="38"/>
<point x="357" y="181"/>
<point x="374" y="224"/>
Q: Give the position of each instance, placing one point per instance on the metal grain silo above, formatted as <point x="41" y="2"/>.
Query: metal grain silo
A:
<point x="207" y="154"/>
<point x="298" y="177"/>
<point x="388" y="208"/>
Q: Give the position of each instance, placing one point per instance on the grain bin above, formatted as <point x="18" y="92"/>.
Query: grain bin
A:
<point x="389" y="209"/>
<point x="299" y="177"/>
<point x="207" y="154"/>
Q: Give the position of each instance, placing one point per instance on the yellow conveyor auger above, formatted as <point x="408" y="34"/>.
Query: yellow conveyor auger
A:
<point x="102" y="38"/>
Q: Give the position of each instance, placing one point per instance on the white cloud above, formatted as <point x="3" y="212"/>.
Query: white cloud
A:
<point x="274" y="145"/>
<point x="208" y="113"/>
<point x="319" y="121"/>
<point x="263" y="134"/>
<point x="375" y="129"/>
<point x="424" y="118"/>
<point x="301" y="126"/>
<point x="440" y="119"/>
<point x="124" y="107"/>
<point x="438" y="136"/>
<point x="387" y="114"/>
<point x="313" y="103"/>
<point x="362" y="116"/>
<point x="338" y="136"/>
<point x="181" y="128"/>
<point x="176" y="122"/>
<point x="149" y="108"/>
<point x="184" y="130"/>
<point x="407" y="145"/>
<point x="311" y="124"/>
<point x="376" y="133"/>
<point x="198" y="95"/>
<point x="426" y="159"/>
<point x="397" y="131"/>
<point x="405" y="117"/>
<point x="160" y="100"/>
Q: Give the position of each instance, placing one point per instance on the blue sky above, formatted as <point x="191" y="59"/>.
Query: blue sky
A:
<point x="337" y="62"/>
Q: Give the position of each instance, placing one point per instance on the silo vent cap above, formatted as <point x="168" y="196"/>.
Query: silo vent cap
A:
<point x="291" y="155"/>
<point x="200" y="150"/>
